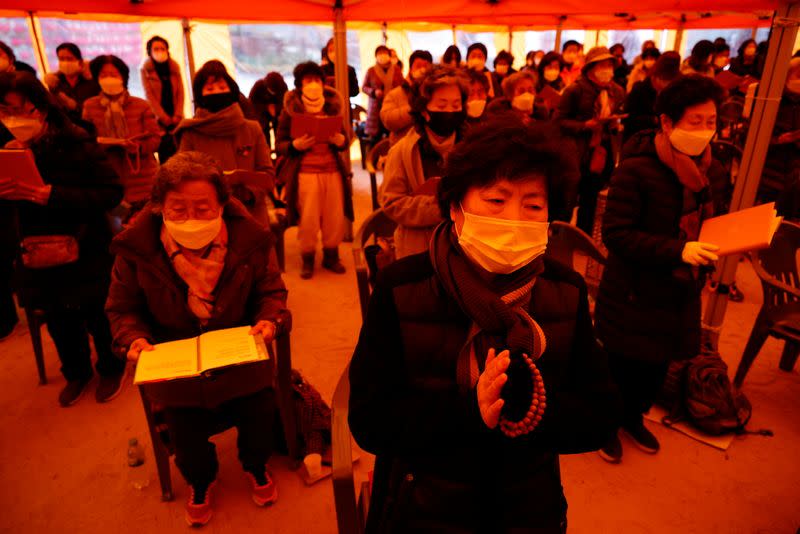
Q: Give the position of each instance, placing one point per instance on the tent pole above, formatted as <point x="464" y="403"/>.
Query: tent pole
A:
<point x="679" y="35"/>
<point x="510" y="40"/>
<point x="754" y="33"/>
<point x="342" y="83"/>
<point x="455" y="35"/>
<point x="37" y="43"/>
<point x="559" y="29"/>
<point x="187" y="39"/>
<point x="765" y="109"/>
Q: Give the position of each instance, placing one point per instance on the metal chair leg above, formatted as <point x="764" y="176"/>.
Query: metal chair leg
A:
<point x="35" y="330"/>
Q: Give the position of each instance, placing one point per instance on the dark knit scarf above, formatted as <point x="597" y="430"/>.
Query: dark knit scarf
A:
<point x="691" y="172"/>
<point x="497" y="308"/>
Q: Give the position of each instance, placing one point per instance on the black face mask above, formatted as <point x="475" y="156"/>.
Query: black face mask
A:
<point x="445" y="123"/>
<point x="218" y="101"/>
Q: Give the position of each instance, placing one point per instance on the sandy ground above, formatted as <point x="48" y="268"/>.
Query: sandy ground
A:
<point x="64" y="470"/>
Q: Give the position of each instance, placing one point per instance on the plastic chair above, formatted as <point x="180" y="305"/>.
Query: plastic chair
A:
<point x="359" y="118"/>
<point x="159" y="436"/>
<point x="376" y="225"/>
<point x="351" y="512"/>
<point x="564" y="240"/>
<point x="779" y="317"/>
<point x="374" y="164"/>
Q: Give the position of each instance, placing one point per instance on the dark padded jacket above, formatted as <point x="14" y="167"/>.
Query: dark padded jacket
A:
<point x="648" y="306"/>
<point x="438" y="465"/>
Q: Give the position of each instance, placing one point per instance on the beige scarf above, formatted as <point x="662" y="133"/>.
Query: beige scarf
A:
<point x="313" y="106"/>
<point x="385" y="76"/>
<point x="199" y="269"/>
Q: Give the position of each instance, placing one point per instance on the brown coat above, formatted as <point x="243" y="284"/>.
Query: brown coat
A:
<point x="396" y="113"/>
<point x="147" y="299"/>
<point x="152" y="89"/>
<point x="141" y="124"/>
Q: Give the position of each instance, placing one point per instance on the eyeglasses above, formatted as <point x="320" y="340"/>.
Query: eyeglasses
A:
<point x="181" y="215"/>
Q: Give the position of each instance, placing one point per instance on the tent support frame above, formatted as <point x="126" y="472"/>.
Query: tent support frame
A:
<point x="342" y="83"/>
<point x="765" y="109"/>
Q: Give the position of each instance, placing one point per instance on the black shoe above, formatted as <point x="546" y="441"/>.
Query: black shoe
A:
<point x="642" y="438"/>
<point x="72" y="392"/>
<point x="330" y="260"/>
<point x="110" y="387"/>
<point x="612" y="451"/>
<point x="308" y="266"/>
<point x="735" y="294"/>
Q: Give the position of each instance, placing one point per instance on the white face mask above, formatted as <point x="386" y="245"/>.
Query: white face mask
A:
<point x="69" y="67"/>
<point x="382" y="59"/>
<point x="604" y="75"/>
<point x="476" y="63"/>
<point x="195" y="233"/>
<point x="648" y="63"/>
<point x="499" y="245"/>
<point x="160" y="56"/>
<point x="418" y="74"/>
<point x="312" y="91"/>
<point x="111" y="86"/>
<point x="23" y="128"/>
<point x="570" y="57"/>
<point x="523" y="102"/>
<point x="331" y="56"/>
<point x="793" y="86"/>
<point x="721" y="62"/>
<point x="5" y="64"/>
<point x="475" y="108"/>
<point x="691" y="142"/>
<point x="551" y="75"/>
<point x="502" y="70"/>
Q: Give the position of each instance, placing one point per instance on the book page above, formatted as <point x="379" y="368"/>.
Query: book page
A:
<point x="174" y="359"/>
<point x="228" y="347"/>
<point x="20" y="165"/>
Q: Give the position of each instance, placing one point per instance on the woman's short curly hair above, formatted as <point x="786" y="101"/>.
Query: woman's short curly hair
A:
<point x="505" y="148"/>
<point x="189" y="166"/>
<point x="439" y="76"/>
<point x="511" y="82"/>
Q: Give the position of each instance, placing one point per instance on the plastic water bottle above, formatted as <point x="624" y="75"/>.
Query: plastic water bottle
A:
<point x="139" y="477"/>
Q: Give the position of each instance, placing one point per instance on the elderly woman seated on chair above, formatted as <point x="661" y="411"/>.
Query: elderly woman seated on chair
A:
<point x="195" y="261"/>
<point x="461" y="342"/>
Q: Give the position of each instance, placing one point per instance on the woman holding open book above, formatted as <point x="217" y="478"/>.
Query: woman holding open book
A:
<point x="311" y="140"/>
<point x="198" y="262"/>
<point x="648" y="307"/>
<point x="59" y="209"/>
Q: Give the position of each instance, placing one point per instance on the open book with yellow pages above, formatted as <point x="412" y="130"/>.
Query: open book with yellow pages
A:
<point x="743" y="230"/>
<point x="191" y="357"/>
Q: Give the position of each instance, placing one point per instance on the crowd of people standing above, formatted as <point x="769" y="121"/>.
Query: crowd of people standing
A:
<point x="145" y="231"/>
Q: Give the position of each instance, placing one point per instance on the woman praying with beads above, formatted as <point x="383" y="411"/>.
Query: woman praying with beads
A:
<point x="477" y="364"/>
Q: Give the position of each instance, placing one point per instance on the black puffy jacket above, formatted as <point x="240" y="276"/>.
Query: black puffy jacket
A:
<point x="438" y="465"/>
<point x="648" y="306"/>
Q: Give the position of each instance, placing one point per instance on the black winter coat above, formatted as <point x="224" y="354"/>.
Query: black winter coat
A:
<point x="438" y="465"/>
<point x="330" y="78"/>
<point x="648" y="306"/>
<point x="640" y="105"/>
<point x="85" y="187"/>
<point x="577" y="105"/>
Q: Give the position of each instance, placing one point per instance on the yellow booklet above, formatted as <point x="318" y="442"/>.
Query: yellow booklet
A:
<point x="192" y="357"/>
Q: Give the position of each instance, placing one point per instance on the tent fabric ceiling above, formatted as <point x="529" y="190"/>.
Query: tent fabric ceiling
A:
<point x="514" y="14"/>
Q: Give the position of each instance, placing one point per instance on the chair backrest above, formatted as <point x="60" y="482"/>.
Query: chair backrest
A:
<point x="375" y="226"/>
<point x="376" y="153"/>
<point x="780" y="263"/>
<point x="358" y="113"/>
<point x="732" y="110"/>
<point x="564" y="240"/>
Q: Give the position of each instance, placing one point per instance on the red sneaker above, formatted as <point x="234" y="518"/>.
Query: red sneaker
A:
<point x="198" y="508"/>
<point x="263" y="494"/>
